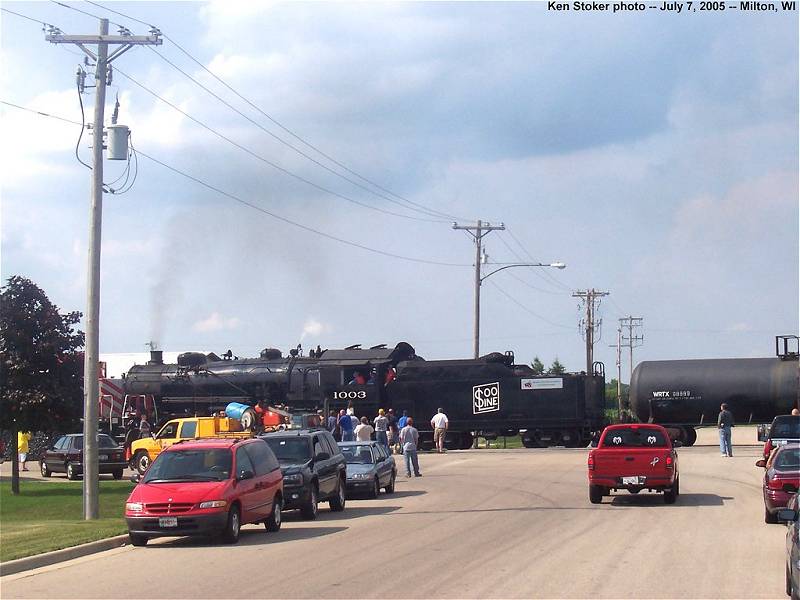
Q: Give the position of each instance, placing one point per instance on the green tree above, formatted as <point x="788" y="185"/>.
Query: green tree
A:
<point x="557" y="368"/>
<point x="537" y="366"/>
<point x="41" y="366"/>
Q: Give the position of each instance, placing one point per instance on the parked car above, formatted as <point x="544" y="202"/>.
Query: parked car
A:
<point x="784" y="429"/>
<point x="781" y="479"/>
<point x="790" y="516"/>
<point x="66" y="456"/>
<point x="634" y="458"/>
<point x="370" y="467"/>
<point x="313" y="468"/>
<point x="206" y="487"/>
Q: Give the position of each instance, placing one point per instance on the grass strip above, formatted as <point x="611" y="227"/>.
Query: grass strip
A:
<point x="47" y="515"/>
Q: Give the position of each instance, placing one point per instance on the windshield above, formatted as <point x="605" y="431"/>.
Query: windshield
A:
<point x="212" y="464"/>
<point x="357" y="455"/>
<point x="788" y="459"/>
<point x="641" y="437"/>
<point x="786" y="427"/>
<point x="290" y="450"/>
<point x="103" y="441"/>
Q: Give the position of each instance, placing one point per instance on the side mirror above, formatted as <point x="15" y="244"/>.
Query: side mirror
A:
<point x="761" y="463"/>
<point x="136" y="478"/>
<point x="787" y="515"/>
<point x="245" y="474"/>
<point x="322" y="456"/>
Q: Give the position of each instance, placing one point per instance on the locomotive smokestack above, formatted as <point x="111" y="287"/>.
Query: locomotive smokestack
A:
<point x="156" y="357"/>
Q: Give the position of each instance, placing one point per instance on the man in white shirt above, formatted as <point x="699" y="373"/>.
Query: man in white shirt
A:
<point x="363" y="430"/>
<point x="439" y="423"/>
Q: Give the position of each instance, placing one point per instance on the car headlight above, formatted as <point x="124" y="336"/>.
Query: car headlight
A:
<point x="360" y="476"/>
<point x="296" y="478"/>
<point x="134" y="506"/>
<point x="214" y="504"/>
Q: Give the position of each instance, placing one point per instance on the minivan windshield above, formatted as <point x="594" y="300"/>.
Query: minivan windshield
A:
<point x="206" y="464"/>
<point x="290" y="449"/>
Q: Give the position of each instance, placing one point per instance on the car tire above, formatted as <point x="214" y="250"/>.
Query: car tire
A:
<point x="141" y="461"/>
<point x="72" y="474"/>
<point x="595" y="494"/>
<point x="45" y="469"/>
<point x="310" y="508"/>
<point x="376" y="489"/>
<point x="671" y="495"/>
<point x="390" y="488"/>
<point x="769" y="517"/>
<point x="788" y="581"/>
<point x="275" y="518"/>
<point x="117" y="474"/>
<point x="232" y="528"/>
<point x="338" y="501"/>
<point x="137" y="539"/>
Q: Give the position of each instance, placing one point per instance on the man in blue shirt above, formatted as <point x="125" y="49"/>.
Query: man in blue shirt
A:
<point x="346" y="424"/>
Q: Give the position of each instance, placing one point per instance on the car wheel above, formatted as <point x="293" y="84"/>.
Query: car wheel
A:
<point x="137" y="539"/>
<point x="671" y="495"/>
<point x="72" y="473"/>
<point x="595" y="494"/>
<point x="274" y="521"/>
<point x="45" y="469"/>
<point x="373" y="493"/>
<point x="141" y="461"/>
<point x="338" y="501"/>
<point x="677" y="487"/>
<point x="232" y="528"/>
<point x="117" y="474"/>
<point x="390" y="488"/>
<point x="769" y="517"/>
<point x="788" y="581"/>
<point x="310" y="508"/>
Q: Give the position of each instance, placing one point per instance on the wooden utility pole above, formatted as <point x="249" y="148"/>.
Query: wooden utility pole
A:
<point x="590" y="324"/>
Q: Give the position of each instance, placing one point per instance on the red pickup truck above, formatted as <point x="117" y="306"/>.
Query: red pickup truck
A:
<point x="633" y="458"/>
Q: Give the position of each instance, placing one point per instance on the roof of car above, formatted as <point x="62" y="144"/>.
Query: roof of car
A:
<point x="367" y="443"/>
<point x="633" y="426"/>
<point x="293" y="432"/>
<point x="207" y="443"/>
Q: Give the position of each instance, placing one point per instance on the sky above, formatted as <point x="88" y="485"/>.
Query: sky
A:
<point x="655" y="154"/>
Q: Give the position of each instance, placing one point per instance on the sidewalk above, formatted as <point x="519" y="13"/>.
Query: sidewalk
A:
<point x="33" y="473"/>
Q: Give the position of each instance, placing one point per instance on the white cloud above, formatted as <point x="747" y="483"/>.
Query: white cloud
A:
<point x="314" y="328"/>
<point x="216" y="322"/>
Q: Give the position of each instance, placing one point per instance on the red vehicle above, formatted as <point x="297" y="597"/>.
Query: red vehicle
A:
<point x="781" y="479"/>
<point x="207" y="487"/>
<point x="783" y="430"/>
<point x="634" y="458"/>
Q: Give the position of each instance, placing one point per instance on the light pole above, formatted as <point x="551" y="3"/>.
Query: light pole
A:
<point x="479" y="281"/>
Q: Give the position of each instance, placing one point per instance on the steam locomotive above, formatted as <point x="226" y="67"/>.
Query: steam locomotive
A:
<point x="489" y="396"/>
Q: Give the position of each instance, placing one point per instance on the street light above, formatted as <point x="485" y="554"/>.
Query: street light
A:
<point x="479" y="281"/>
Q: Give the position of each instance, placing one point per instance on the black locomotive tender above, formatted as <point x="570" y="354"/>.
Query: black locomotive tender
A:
<point x="488" y="397"/>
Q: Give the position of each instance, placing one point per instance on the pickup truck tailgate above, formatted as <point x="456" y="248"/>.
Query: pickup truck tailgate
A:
<point x="630" y="462"/>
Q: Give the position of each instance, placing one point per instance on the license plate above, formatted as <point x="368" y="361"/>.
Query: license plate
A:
<point x="638" y="479"/>
<point x="104" y="457"/>
<point x="168" y="521"/>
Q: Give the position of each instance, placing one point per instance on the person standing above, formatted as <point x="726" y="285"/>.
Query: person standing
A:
<point x="346" y="425"/>
<point x="381" y="428"/>
<point x="144" y="427"/>
<point x="409" y="438"/>
<point x="333" y="426"/>
<point x="23" y="439"/>
<point x="724" y="423"/>
<point x="439" y="423"/>
<point x="363" y="431"/>
<point x="394" y="430"/>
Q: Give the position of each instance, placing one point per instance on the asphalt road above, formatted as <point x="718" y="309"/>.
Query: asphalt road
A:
<point x="512" y="524"/>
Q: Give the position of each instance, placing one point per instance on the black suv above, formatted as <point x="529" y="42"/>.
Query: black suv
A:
<point x="313" y="468"/>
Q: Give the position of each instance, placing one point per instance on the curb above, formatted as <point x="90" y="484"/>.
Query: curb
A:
<point x="56" y="556"/>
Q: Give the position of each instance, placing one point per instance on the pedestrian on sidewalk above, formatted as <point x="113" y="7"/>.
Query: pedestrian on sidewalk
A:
<point x="409" y="438"/>
<point x="724" y="423"/>
<point x="363" y="431"/>
<point x="23" y="439"/>
<point x="439" y="422"/>
<point x="381" y="428"/>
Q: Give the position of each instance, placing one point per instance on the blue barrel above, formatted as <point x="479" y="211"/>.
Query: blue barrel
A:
<point x="235" y="410"/>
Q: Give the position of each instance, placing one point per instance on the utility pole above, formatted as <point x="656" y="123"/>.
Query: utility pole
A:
<point x="591" y="299"/>
<point x="478" y="231"/>
<point x="126" y="41"/>
<point x="632" y="341"/>
<point x="618" y="346"/>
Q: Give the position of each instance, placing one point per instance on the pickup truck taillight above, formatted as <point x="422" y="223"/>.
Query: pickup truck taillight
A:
<point x="669" y="461"/>
<point x="591" y="461"/>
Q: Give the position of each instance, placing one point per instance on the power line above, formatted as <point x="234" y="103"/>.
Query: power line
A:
<point x="11" y="12"/>
<point x="88" y="14"/>
<point x="287" y="144"/>
<point x="545" y="273"/>
<point x="266" y="160"/>
<point x="528" y="310"/>
<point x="537" y="273"/>
<point x="308" y="144"/>
<point x="256" y="207"/>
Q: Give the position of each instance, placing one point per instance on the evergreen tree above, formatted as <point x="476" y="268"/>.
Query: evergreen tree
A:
<point x="537" y="366"/>
<point x="557" y="368"/>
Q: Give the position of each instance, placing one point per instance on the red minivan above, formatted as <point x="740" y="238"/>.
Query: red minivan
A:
<point x="208" y="487"/>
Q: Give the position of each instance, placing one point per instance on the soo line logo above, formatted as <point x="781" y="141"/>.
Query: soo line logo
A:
<point x="486" y="398"/>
